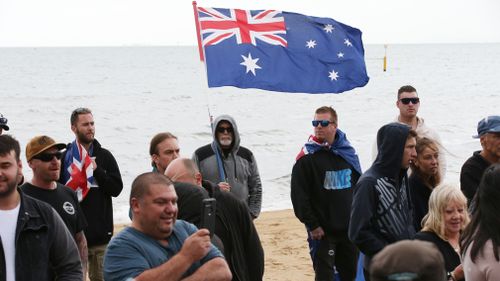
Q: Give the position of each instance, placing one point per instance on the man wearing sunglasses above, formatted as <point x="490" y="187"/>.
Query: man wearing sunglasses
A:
<point x="323" y="177"/>
<point x="233" y="166"/>
<point x="44" y="158"/>
<point x="408" y="104"/>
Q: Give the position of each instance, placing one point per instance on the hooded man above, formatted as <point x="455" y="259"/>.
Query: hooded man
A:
<point x="233" y="166"/>
<point x="381" y="211"/>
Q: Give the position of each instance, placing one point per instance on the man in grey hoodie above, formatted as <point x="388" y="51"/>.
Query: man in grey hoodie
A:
<point x="233" y="166"/>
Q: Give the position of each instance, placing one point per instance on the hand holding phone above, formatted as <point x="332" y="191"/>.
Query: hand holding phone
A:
<point x="208" y="215"/>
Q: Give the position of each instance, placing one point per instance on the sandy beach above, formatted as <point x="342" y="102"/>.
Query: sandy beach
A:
<point x="285" y="247"/>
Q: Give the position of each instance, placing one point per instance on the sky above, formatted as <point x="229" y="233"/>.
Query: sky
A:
<point x="41" y="23"/>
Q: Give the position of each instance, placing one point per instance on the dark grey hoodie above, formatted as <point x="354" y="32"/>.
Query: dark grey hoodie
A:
<point x="239" y="167"/>
<point x="381" y="212"/>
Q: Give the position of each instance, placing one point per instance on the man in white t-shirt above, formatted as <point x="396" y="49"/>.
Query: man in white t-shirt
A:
<point x="39" y="248"/>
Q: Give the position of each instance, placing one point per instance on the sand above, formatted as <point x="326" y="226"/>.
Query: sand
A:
<point x="285" y="247"/>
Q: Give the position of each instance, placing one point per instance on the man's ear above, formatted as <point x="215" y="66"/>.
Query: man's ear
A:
<point x="155" y="159"/>
<point x="134" y="205"/>
<point x="73" y="128"/>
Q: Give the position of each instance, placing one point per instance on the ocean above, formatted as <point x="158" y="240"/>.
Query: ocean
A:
<point x="136" y="92"/>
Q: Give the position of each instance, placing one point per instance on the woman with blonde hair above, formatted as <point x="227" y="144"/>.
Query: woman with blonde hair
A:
<point x="425" y="176"/>
<point x="443" y="224"/>
<point x="481" y="239"/>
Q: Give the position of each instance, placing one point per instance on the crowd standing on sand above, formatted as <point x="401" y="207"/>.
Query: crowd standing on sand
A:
<point x="398" y="218"/>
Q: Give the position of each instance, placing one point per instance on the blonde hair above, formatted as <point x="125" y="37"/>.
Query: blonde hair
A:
<point x="439" y="199"/>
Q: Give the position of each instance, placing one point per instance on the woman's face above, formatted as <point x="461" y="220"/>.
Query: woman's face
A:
<point x="453" y="217"/>
<point x="427" y="161"/>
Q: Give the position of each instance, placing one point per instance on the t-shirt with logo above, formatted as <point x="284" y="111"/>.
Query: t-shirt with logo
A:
<point x="63" y="199"/>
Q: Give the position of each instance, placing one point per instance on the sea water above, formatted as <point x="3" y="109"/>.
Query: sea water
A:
<point x="136" y="92"/>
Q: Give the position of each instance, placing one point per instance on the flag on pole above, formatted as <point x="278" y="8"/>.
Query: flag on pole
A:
<point x="280" y="51"/>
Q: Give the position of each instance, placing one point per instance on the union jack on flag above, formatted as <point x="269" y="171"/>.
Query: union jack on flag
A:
<point x="80" y="171"/>
<point x="280" y="51"/>
<point x="220" y="24"/>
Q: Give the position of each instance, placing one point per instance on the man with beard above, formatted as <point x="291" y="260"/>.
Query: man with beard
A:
<point x="35" y="243"/>
<point x="230" y="165"/>
<point x="158" y="246"/>
<point x="43" y="155"/>
<point x="93" y="173"/>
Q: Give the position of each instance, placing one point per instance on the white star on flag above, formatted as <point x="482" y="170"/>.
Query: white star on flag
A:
<point x="340" y="55"/>
<point x="328" y="28"/>
<point x="347" y="42"/>
<point x="333" y="75"/>
<point x="310" y="44"/>
<point x="250" y="63"/>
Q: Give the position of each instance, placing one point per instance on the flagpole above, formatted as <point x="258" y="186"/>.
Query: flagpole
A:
<point x="200" y="50"/>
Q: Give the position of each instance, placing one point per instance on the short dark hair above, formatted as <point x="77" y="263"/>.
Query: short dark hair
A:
<point x="143" y="182"/>
<point x="153" y="145"/>
<point x="406" y="89"/>
<point x="77" y="112"/>
<point x="9" y="143"/>
<point x="412" y="134"/>
<point x="328" y="109"/>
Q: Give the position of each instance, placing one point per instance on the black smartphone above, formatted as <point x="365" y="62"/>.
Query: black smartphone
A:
<point x="208" y="208"/>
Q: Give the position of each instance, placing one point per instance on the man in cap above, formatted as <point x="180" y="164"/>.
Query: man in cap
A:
<point x="488" y="132"/>
<point x="44" y="158"/>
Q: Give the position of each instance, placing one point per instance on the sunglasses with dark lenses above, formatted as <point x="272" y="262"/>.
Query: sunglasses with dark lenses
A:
<point x="323" y="123"/>
<point x="47" y="157"/>
<point x="222" y="130"/>
<point x="408" y="100"/>
<point x="3" y="120"/>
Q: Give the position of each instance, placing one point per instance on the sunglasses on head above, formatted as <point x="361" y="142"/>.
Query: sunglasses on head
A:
<point x="408" y="100"/>
<point x="47" y="157"/>
<point x="222" y="130"/>
<point x="323" y="123"/>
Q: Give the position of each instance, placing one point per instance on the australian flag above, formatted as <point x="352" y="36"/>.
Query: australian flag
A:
<point x="280" y="51"/>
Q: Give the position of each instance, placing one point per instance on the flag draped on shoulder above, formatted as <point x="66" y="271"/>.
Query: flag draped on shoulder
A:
<point x="78" y="172"/>
<point x="341" y="147"/>
<point x="280" y="51"/>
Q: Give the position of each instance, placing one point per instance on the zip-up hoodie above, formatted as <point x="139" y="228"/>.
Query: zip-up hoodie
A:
<point x="381" y="211"/>
<point x="238" y="167"/>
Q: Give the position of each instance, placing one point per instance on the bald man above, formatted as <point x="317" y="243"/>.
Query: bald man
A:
<point x="233" y="226"/>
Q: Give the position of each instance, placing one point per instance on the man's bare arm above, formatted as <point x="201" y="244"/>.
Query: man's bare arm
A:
<point x="81" y="243"/>
<point x="214" y="270"/>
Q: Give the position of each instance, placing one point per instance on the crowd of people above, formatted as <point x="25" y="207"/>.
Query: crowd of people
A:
<point x="391" y="217"/>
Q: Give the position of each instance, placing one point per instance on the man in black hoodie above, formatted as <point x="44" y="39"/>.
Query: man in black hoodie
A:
<point x="381" y="211"/>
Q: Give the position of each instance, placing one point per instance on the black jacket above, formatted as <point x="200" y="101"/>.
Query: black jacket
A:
<point x="420" y="194"/>
<point x="45" y="250"/>
<point x="381" y="212"/>
<point x="97" y="206"/>
<point x="471" y="174"/>
<point x="315" y="205"/>
<point x="242" y="248"/>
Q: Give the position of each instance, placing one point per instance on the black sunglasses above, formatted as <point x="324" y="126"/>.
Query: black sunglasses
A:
<point x="47" y="157"/>
<point x="3" y="120"/>
<point x="222" y="130"/>
<point x="323" y="123"/>
<point x="408" y="100"/>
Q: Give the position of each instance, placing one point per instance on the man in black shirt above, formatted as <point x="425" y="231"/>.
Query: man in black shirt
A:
<point x="488" y="132"/>
<point x="43" y="155"/>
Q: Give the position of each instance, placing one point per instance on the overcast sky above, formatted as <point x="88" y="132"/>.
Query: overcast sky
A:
<point x="159" y="22"/>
